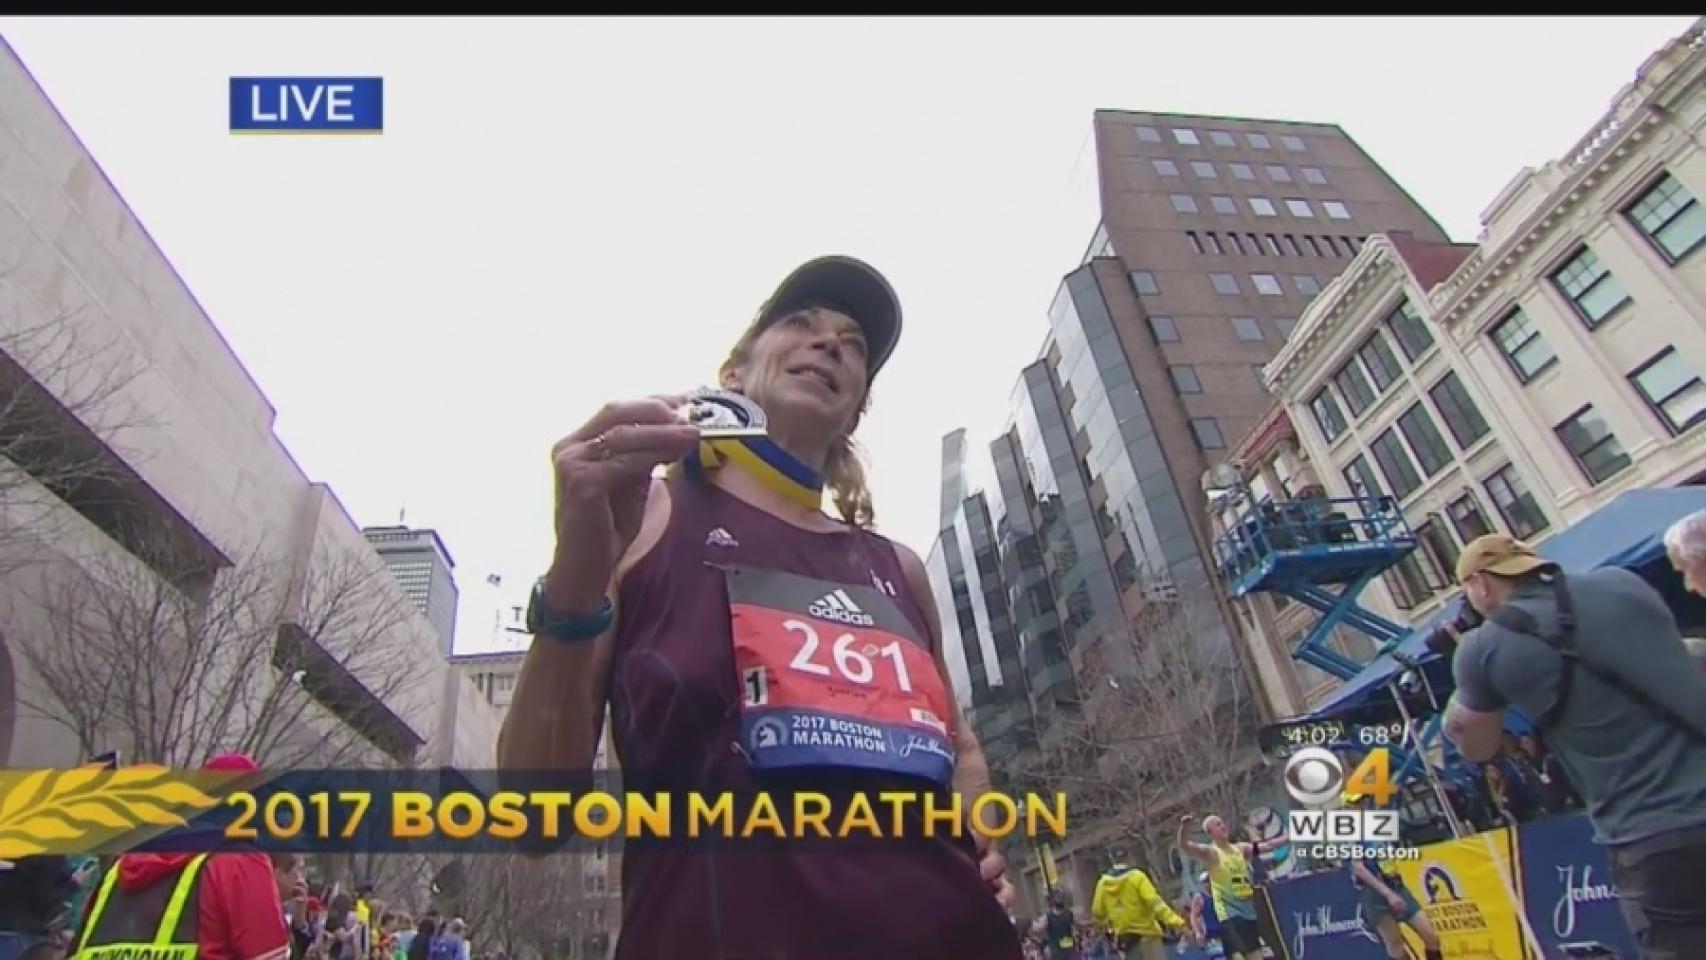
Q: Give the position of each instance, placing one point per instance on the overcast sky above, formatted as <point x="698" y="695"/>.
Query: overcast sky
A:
<point x="564" y="212"/>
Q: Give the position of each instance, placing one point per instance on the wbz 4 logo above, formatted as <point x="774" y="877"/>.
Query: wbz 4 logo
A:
<point x="837" y="607"/>
<point x="1316" y="778"/>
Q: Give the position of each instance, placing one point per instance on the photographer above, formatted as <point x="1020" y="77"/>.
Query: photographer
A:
<point x="1596" y="661"/>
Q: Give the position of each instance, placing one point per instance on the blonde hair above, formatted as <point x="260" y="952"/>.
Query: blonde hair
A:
<point x="844" y="467"/>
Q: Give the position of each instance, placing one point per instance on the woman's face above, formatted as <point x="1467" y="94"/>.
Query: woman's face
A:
<point x="807" y="369"/>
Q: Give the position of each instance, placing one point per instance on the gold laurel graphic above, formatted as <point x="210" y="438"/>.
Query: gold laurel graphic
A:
<point x="50" y="809"/>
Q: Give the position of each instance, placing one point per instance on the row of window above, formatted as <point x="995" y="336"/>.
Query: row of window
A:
<point x="1143" y="282"/>
<point x="1244" y="172"/>
<point x="1186" y="380"/>
<point x="1429" y="570"/>
<point x="1261" y="206"/>
<point x="1166" y="329"/>
<point x="1187" y="137"/>
<point x="1250" y="244"/>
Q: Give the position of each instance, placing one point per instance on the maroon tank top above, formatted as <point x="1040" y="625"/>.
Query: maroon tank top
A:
<point x="675" y="707"/>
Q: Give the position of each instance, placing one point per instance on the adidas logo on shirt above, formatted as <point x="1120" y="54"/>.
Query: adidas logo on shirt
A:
<point x="836" y="605"/>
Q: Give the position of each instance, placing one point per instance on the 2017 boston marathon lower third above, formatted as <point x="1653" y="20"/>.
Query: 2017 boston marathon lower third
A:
<point x="491" y="811"/>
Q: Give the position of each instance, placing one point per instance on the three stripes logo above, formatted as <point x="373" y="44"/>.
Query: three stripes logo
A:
<point x="837" y="606"/>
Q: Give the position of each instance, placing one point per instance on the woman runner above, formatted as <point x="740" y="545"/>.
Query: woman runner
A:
<point x="711" y="611"/>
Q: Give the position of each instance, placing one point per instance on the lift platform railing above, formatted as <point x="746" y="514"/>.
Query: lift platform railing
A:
<point x="1325" y="524"/>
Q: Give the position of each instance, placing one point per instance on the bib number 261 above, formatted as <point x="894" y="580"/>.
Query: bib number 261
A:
<point x="844" y="658"/>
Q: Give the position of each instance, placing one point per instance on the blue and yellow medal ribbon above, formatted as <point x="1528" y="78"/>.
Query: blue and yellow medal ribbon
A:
<point x="775" y="467"/>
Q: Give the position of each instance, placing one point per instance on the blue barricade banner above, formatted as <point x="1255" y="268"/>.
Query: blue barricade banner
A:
<point x="1317" y="916"/>
<point x="1567" y="890"/>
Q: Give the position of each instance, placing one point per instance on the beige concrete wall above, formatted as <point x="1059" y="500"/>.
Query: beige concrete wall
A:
<point x="189" y="419"/>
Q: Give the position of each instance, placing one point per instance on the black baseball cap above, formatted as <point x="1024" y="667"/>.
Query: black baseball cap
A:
<point x="850" y="285"/>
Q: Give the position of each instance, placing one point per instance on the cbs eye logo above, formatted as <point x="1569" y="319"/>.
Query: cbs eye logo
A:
<point x="1314" y="776"/>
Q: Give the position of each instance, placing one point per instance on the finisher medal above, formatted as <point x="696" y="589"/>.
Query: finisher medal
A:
<point x="721" y="413"/>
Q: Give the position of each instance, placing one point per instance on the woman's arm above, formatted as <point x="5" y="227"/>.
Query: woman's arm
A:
<point x="557" y="715"/>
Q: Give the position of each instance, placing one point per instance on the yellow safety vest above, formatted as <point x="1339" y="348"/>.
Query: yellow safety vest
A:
<point x="150" y="924"/>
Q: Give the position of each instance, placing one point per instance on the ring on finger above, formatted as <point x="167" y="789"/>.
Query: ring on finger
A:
<point x="599" y="449"/>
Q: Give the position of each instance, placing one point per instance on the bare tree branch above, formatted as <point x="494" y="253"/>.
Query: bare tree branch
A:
<point x="540" y="907"/>
<point x="64" y="406"/>
<point x="1167" y="727"/>
<point x="128" y="657"/>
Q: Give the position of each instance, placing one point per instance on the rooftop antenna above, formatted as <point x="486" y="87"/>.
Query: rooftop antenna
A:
<point x="400" y="522"/>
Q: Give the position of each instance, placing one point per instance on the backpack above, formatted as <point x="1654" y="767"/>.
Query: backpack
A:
<point x="444" y="948"/>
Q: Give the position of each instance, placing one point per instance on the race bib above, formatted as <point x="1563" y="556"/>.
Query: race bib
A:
<point x="834" y="675"/>
<point x="1067" y="942"/>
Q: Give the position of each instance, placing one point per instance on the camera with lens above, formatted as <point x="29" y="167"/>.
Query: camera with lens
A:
<point x="1442" y="639"/>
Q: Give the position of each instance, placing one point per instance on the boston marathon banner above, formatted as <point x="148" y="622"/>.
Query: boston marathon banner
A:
<point x="1465" y="886"/>
<point x="1567" y="889"/>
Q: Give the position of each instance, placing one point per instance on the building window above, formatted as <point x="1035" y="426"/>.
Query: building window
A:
<point x="1353" y="386"/>
<point x="1299" y="207"/>
<point x="1590" y="287"/>
<point x="1258" y="140"/>
<point x="1438" y="549"/>
<point x="1267" y="284"/>
<point x="1214" y="242"/>
<point x="1514" y="503"/>
<point x="1292" y="143"/>
<point x="1527" y="351"/>
<point x="1360" y="478"/>
<point x="1432" y="454"/>
<point x="1291" y="242"/>
<point x="1263" y="207"/>
<point x="1223" y="204"/>
<point x="1196" y="244"/>
<point x="1314" y="175"/>
<point x="1242" y="171"/>
<point x="1185" y="136"/>
<point x="1277" y="173"/>
<point x="1148" y="135"/>
<point x="1461" y="415"/>
<point x="1306" y="284"/>
<point x="1409" y="329"/>
<point x="1144" y="283"/>
<point x="1670" y="217"/>
<point x="1246" y="329"/>
<point x="1184" y="203"/>
<point x="1672" y="390"/>
<point x="1286" y="325"/>
<point x="1382" y="366"/>
<point x="1328" y="419"/>
<point x="1165" y="167"/>
<point x="1207" y="430"/>
<point x="1467" y="518"/>
<point x="1273" y="246"/>
<point x="1204" y="170"/>
<point x="1314" y="248"/>
<point x="1336" y="209"/>
<point x="1395" y="464"/>
<point x="1589" y="439"/>
<point x="1334" y="247"/>
<point x="1237" y="247"/>
<point x="1225" y="284"/>
<point x="1185" y="378"/>
<point x="1164" y="330"/>
<point x="1221" y="138"/>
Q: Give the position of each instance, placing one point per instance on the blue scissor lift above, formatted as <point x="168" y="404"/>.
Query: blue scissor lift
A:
<point x="1322" y="552"/>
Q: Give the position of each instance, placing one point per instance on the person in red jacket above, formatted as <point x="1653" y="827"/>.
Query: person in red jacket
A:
<point x="232" y="911"/>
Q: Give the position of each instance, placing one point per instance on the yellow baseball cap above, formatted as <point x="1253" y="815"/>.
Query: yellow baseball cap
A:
<point x="1500" y="554"/>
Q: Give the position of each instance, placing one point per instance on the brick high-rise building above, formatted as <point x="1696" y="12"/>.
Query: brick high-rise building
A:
<point x="1215" y="234"/>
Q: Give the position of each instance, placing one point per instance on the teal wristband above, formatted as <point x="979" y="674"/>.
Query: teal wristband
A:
<point x="541" y="619"/>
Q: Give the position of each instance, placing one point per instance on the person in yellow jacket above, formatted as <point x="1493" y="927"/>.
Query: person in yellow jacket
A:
<point x="1136" y="915"/>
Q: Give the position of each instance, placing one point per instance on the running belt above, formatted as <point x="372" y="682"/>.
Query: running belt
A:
<point x="758" y="455"/>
